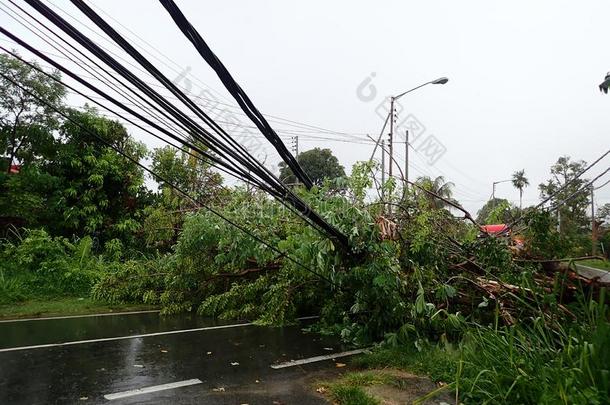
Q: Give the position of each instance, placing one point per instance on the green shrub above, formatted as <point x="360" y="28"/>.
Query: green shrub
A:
<point x="39" y="265"/>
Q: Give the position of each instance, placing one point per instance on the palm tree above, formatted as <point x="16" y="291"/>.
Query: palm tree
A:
<point x="520" y="182"/>
<point x="438" y="186"/>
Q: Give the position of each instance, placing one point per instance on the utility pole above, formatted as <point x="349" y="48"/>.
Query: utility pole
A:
<point x="392" y="117"/>
<point x="493" y="191"/>
<point x="295" y="150"/>
<point x="382" y="170"/>
<point x="593" y="230"/>
<point x="390" y="140"/>
<point x="295" y="145"/>
<point x="406" y="159"/>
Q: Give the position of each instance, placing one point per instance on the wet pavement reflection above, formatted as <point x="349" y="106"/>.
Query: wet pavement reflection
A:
<point x="233" y="364"/>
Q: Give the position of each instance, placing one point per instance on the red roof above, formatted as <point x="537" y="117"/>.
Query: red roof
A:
<point x="497" y="228"/>
<point x="15" y="169"/>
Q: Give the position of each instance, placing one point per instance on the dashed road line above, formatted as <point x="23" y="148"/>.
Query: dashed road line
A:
<point x="299" y="362"/>
<point x="154" y="388"/>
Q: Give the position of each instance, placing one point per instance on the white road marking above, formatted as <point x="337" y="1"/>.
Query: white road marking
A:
<point x="317" y="358"/>
<point x="110" y="339"/>
<point x="306" y="318"/>
<point x="154" y="388"/>
<point x="48" y="318"/>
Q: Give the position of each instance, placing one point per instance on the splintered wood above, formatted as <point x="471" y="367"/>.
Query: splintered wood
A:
<point x="387" y="228"/>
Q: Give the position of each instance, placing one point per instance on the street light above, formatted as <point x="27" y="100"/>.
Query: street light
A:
<point x="493" y="190"/>
<point x="440" y="80"/>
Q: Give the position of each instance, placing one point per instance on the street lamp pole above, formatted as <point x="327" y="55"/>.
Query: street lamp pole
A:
<point x="493" y="191"/>
<point x="440" y="80"/>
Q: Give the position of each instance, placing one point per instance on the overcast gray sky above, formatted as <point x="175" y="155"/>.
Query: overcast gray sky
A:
<point x="522" y="89"/>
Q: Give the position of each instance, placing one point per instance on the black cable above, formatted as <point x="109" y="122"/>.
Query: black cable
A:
<point x="110" y="98"/>
<point x="271" y="118"/>
<point x="250" y="179"/>
<point x="243" y="176"/>
<point x="585" y="187"/>
<point x="110" y="84"/>
<point x="95" y="72"/>
<point x="196" y="149"/>
<point x="186" y="194"/>
<point x="231" y="85"/>
<point x="193" y="128"/>
<point x="560" y="189"/>
<point x="603" y="185"/>
<point x="127" y="47"/>
<point x="210" y="141"/>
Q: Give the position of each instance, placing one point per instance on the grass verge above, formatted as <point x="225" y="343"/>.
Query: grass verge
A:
<point x="525" y="364"/>
<point x="381" y="386"/>
<point x="598" y="264"/>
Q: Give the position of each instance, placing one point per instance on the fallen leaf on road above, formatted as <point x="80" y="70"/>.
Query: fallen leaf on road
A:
<point x="339" y="365"/>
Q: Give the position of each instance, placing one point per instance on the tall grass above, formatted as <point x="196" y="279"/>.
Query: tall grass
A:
<point x="537" y="363"/>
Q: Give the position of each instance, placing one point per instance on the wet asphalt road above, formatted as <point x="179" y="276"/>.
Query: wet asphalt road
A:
<point x="233" y="364"/>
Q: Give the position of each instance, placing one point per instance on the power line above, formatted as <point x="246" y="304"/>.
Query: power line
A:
<point x="585" y="187"/>
<point x="230" y="84"/>
<point x="573" y="179"/>
<point x="271" y="191"/>
<point x="174" y="186"/>
<point x="273" y="118"/>
<point x="514" y="222"/>
<point x="237" y="153"/>
<point x="603" y="185"/>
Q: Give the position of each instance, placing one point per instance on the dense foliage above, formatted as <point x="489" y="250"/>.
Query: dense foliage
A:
<point x="319" y="164"/>
<point x="78" y="219"/>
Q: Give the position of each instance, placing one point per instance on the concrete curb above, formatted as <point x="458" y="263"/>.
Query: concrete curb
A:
<point x="592" y="272"/>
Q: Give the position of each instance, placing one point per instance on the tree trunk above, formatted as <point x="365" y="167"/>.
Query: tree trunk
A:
<point x="520" y="199"/>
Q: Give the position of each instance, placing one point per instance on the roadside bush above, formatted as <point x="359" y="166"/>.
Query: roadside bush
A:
<point x="132" y="281"/>
<point x="38" y="265"/>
